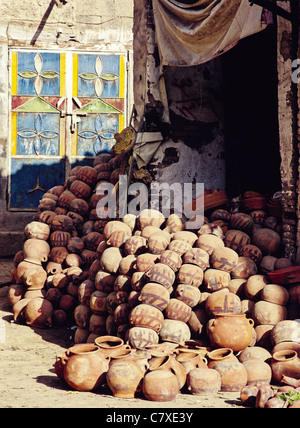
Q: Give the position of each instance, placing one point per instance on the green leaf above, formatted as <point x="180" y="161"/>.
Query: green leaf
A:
<point x="49" y="74"/>
<point x="109" y="76"/>
<point x="88" y="76"/>
<point x="27" y="74"/>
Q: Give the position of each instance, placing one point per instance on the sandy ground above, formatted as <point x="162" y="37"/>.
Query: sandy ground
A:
<point x="28" y="379"/>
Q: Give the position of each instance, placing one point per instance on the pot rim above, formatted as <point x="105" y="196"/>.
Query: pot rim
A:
<point x="285" y="355"/>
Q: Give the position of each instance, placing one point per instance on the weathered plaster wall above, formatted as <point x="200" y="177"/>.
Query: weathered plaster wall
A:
<point x="94" y="25"/>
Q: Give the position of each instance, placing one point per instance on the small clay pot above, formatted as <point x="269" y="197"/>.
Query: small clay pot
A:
<point x="190" y="274"/>
<point x="258" y="371"/>
<point x="178" y="310"/>
<point x="124" y="378"/>
<point x="216" y="279"/>
<point x="188" y="294"/>
<point x="162" y="274"/>
<point x="38" y="313"/>
<point x="146" y="316"/>
<point x="37" y="230"/>
<point x="209" y="242"/>
<point x="155" y="294"/>
<point x="179" y="246"/>
<point x="236" y="239"/>
<point x="174" y="331"/>
<point x="203" y="381"/>
<point x="135" y="245"/>
<point x="233" y="375"/>
<point x="36" y="250"/>
<point x="160" y="385"/>
<point x="141" y="337"/>
<point x="224" y="259"/>
<point x="171" y="259"/>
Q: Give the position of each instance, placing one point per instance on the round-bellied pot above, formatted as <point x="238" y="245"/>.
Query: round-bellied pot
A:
<point x="241" y="221"/>
<point x="142" y="337"/>
<point x="171" y="259"/>
<point x="188" y="294"/>
<point x="258" y="371"/>
<point x="36" y="250"/>
<point x="203" y="381"/>
<point x="155" y="294"/>
<point x="111" y="345"/>
<point x="251" y="251"/>
<point x="267" y="240"/>
<point x="285" y="331"/>
<point x="254" y="353"/>
<point x="224" y="259"/>
<point x="178" y="310"/>
<point x="285" y="363"/>
<point x="233" y="331"/>
<point x="191" y="361"/>
<point x="220" y="354"/>
<point x="275" y="293"/>
<point x="169" y="362"/>
<point x="208" y="242"/>
<point x="124" y="378"/>
<point x="268" y="313"/>
<point x="233" y="375"/>
<point x="245" y="268"/>
<point x="160" y="385"/>
<point x="37" y="230"/>
<point x="222" y="301"/>
<point x="236" y="239"/>
<point x="190" y="274"/>
<point x="215" y="279"/>
<point x="162" y="274"/>
<point x="146" y="316"/>
<point x="174" y="331"/>
<point x="197" y="256"/>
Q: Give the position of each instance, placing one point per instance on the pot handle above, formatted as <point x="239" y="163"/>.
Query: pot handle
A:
<point x="251" y="322"/>
<point x="212" y="326"/>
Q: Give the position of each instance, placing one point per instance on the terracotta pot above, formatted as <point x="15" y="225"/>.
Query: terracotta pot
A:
<point x="236" y="239"/>
<point x="158" y="242"/>
<point x="122" y="283"/>
<point x="170" y="363"/>
<point x="198" y="321"/>
<point x="265" y="392"/>
<point x="221" y="354"/>
<point x="111" y="345"/>
<point x="85" y="367"/>
<point x="190" y="274"/>
<point x="267" y="240"/>
<point x="59" y="238"/>
<point x="32" y="275"/>
<point x="233" y="331"/>
<point x="258" y="216"/>
<point x="98" y="302"/>
<point x="245" y="268"/>
<point x="92" y="240"/>
<point x="274" y="293"/>
<point x="58" y="254"/>
<point x="213" y="228"/>
<point x="135" y="245"/>
<point x="188" y="294"/>
<point x="31" y="294"/>
<point x="115" y="226"/>
<point x="65" y="198"/>
<point x="241" y="221"/>
<point x="80" y="189"/>
<point x="287" y="330"/>
<point x="178" y="246"/>
<point x="138" y="280"/>
<point x="191" y="360"/>
<point x="121" y="314"/>
<point x="251" y="251"/>
<point x="224" y="259"/>
<point x="233" y="375"/>
<point x="258" y="371"/>
<point x="216" y="279"/>
<point x="141" y="337"/>
<point x="37" y="230"/>
<point x="222" y="301"/>
<point x="146" y="316"/>
<point x="285" y="363"/>
<point x="263" y="335"/>
<point x="87" y="174"/>
<point x="248" y="395"/>
<point x="18" y="310"/>
<point x="15" y="293"/>
<point x="79" y="206"/>
<point x="38" y="313"/>
<point x="110" y="259"/>
<point x="124" y="378"/>
<point x="62" y="222"/>
<point x="118" y="238"/>
<point x="254" y="353"/>
<point x="254" y="285"/>
<point x="73" y="260"/>
<point x="75" y="245"/>
<point x="220" y="214"/>
<point x="127" y="265"/>
<point x="268" y="313"/>
<point x="178" y="310"/>
<point x="104" y="281"/>
<point x="85" y="290"/>
<point x="187" y="236"/>
<point x="171" y="259"/>
<point x="209" y="242"/>
<point x="150" y="217"/>
<point x="174" y="224"/>
<point x="162" y="274"/>
<point x="160" y="385"/>
<point x="197" y="256"/>
<point x="203" y="381"/>
<point x="174" y="331"/>
<point x="53" y="268"/>
<point x="36" y="250"/>
<point x="267" y="264"/>
<point x="82" y="315"/>
<point x="295" y="346"/>
<point x="155" y="295"/>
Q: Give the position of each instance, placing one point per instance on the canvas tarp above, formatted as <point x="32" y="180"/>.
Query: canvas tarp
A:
<point x="193" y="32"/>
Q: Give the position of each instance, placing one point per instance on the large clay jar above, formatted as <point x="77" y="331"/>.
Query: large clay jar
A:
<point x="62" y="222"/>
<point x="160" y="385"/>
<point x="268" y="313"/>
<point x="203" y="381"/>
<point x="37" y="230"/>
<point x="111" y="345"/>
<point x="155" y="294"/>
<point x="230" y="330"/>
<point x="36" y="250"/>
<point x="285" y="363"/>
<point x="141" y="337"/>
<point x="38" y="313"/>
<point x="174" y="331"/>
<point x="59" y="238"/>
<point x="222" y="301"/>
<point x="85" y="368"/>
<point x="146" y="316"/>
<point x="124" y="378"/>
<point x="258" y="371"/>
<point x="285" y="331"/>
<point x="233" y="375"/>
<point x="274" y="293"/>
<point x="267" y="240"/>
<point x="224" y="259"/>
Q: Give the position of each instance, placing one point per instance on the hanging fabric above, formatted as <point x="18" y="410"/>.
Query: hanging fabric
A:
<point x="193" y="32"/>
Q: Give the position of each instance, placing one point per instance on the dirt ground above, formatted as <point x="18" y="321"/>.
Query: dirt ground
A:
<point x="28" y="380"/>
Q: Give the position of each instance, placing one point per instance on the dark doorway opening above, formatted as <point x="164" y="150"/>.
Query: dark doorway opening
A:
<point x="251" y="115"/>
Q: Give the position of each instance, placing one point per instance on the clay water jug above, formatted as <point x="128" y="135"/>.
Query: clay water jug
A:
<point x="124" y="378"/>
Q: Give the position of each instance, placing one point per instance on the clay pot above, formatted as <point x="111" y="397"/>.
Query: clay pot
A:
<point x="169" y="362"/>
<point x="150" y="217"/>
<point x="220" y="214"/>
<point x="58" y="254"/>
<point x="75" y="245"/>
<point x="215" y="279"/>
<point x="251" y="251"/>
<point x="127" y="265"/>
<point x="241" y="221"/>
<point x="79" y="206"/>
<point x="224" y="259"/>
<point x="171" y="259"/>
<point x="36" y="250"/>
<point x="174" y="224"/>
<point x="38" y="313"/>
<point x="98" y="302"/>
<point x="59" y="238"/>
<point x="85" y="367"/>
<point x="285" y="331"/>
<point x="285" y="363"/>
<point x="32" y="275"/>
<point x="160" y="385"/>
<point x="254" y="285"/>
<point x="82" y="314"/>
<point x="174" y="331"/>
<point x="222" y="301"/>
<point x="209" y="242"/>
<point x="203" y="381"/>
<point x="188" y="294"/>
<point x="46" y="217"/>
<point x="87" y="174"/>
<point x="267" y="264"/>
<point x="15" y="293"/>
<point x="118" y="238"/>
<point x="274" y="293"/>
<point x="158" y="242"/>
<point x="178" y="246"/>
<point x="104" y="281"/>
<point x="198" y="257"/>
<point x="124" y="378"/>
<point x="265" y="392"/>
<point x="191" y="361"/>
<point x="74" y="260"/>
<point x="115" y="226"/>
<point x="267" y="240"/>
<point x="135" y="245"/>
<point x="178" y="310"/>
<point x="258" y="371"/>
<point x="31" y="294"/>
<point x="155" y="294"/>
<point x="233" y="375"/>
<point x="248" y="395"/>
<point x="212" y="228"/>
<point x="232" y="331"/>
<point x="198" y="321"/>
<point x="138" y="280"/>
<point x="80" y="189"/>
<point x="162" y="274"/>
<point x="141" y="337"/>
<point x="146" y="316"/>
<point x="245" y="268"/>
<point x="221" y="354"/>
<point x="254" y="353"/>
<point x="110" y="259"/>
<point x="190" y="274"/>
<point x="236" y="286"/>
<point x="62" y="222"/>
<point x="92" y="240"/>
<point x="122" y="283"/>
<point x="236" y="239"/>
<point x="85" y="290"/>
<point x="295" y="346"/>
<point x="268" y="313"/>
<point x="65" y="198"/>
<point x="37" y="230"/>
<point x="111" y="345"/>
<point x="18" y="310"/>
<point x="187" y="236"/>
<point x="263" y="335"/>
<point x="121" y="314"/>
